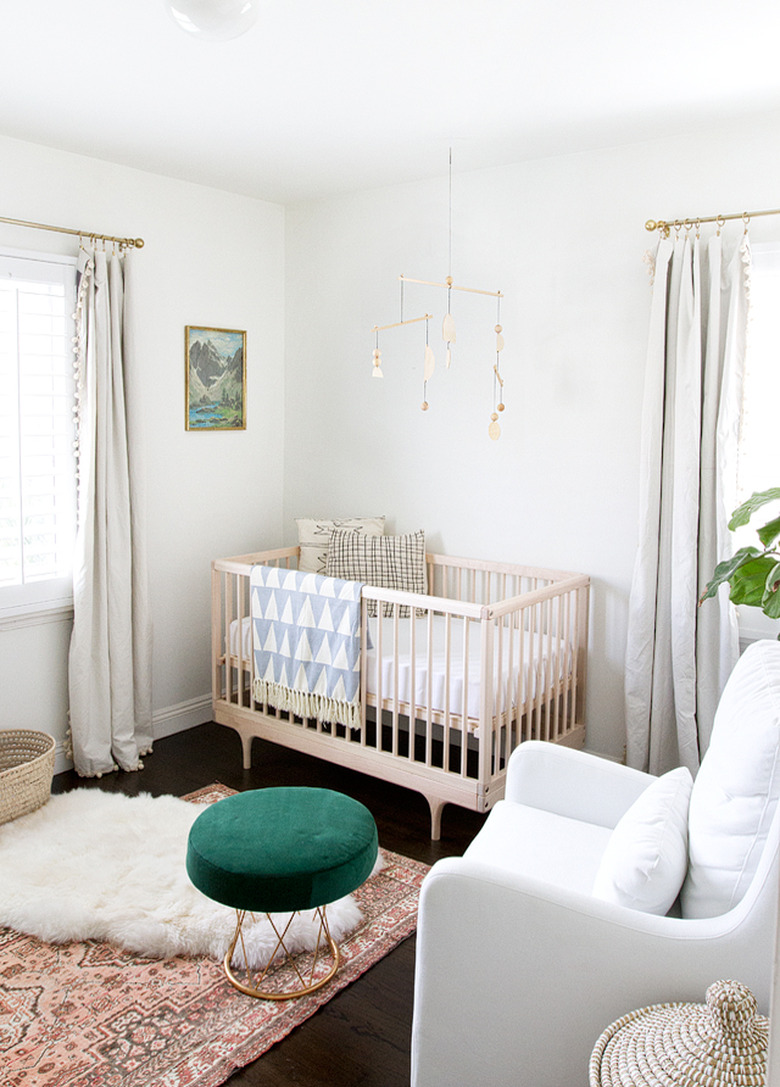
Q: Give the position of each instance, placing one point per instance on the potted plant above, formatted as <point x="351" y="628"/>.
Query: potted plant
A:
<point x="753" y="574"/>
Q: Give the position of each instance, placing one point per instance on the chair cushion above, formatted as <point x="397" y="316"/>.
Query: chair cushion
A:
<point x="540" y="844"/>
<point x="645" y="861"/>
<point x="736" y="790"/>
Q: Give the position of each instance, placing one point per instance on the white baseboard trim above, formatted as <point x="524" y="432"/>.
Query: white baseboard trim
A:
<point x="61" y="760"/>
<point x="165" y="722"/>
<point x="184" y="715"/>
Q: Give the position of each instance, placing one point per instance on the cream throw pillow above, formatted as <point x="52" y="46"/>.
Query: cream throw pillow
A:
<point x="646" y="858"/>
<point x="314" y="537"/>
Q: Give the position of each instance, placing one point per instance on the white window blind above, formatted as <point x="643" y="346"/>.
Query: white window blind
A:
<point x="759" y="452"/>
<point x="37" y="463"/>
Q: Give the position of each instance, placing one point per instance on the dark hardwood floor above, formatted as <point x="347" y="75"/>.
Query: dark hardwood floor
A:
<point x="361" y="1036"/>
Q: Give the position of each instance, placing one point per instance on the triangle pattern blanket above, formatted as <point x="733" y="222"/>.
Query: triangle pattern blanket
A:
<point x="306" y="643"/>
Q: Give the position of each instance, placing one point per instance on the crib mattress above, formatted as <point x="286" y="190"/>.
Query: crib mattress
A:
<point x="513" y="679"/>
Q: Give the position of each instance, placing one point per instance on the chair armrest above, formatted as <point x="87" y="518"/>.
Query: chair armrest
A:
<point x="516" y="980"/>
<point x="573" y="783"/>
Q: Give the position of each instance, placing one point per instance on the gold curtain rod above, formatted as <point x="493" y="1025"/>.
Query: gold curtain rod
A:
<point x="665" y="226"/>
<point x="131" y="243"/>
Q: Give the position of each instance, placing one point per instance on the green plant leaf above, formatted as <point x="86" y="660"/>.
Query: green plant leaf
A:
<point x="743" y="513"/>
<point x="725" y="570"/>
<point x="771" y="599"/>
<point x="748" y="582"/>
<point x="769" y="533"/>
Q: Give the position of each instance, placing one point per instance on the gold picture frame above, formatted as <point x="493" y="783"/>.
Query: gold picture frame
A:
<point x="215" y="378"/>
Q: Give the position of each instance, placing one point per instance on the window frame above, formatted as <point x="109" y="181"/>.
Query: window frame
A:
<point x="50" y="598"/>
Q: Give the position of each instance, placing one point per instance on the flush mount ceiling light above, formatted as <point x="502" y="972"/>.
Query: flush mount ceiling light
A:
<point x="213" y="20"/>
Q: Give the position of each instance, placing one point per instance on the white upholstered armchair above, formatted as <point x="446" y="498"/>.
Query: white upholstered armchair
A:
<point x="554" y="923"/>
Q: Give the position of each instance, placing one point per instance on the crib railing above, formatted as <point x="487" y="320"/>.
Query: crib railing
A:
<point x="452" y="683"/>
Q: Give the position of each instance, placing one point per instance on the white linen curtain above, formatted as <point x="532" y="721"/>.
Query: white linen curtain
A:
<point x="678" y="656"/>
<point x="110" y="649"/>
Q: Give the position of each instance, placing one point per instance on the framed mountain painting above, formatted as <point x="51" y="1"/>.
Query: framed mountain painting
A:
<point x="215" y="377"/>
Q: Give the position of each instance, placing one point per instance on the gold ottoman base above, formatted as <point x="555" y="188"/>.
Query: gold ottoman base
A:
<point x="297" y="975"/>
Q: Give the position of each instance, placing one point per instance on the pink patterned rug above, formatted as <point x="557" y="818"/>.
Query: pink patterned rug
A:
<point x="89" y="1015"/>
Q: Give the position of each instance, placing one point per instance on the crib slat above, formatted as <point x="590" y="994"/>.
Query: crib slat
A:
<point x="512" y="708"/>
<point x="447" y="673"/>
<point x="227" y="621"/>
<point x="396" y="695"/>
<point x="548" y="668"/>
<point x="522" y="678"/>
<point x="379" y="659"/>
<point x="538" y="627"/>
<point x="412" y="681"/>
<point x="464" y="705"/>
<point x="429" y="694"/>
<point x="239" y="610"/>
<point x="364" y="666"/>
<point x="485" y="731"/>
<point x="569" y="653"/>
<point x="218" y="642"/>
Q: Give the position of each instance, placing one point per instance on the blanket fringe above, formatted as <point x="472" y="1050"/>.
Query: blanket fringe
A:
<point x="304" y="704"/>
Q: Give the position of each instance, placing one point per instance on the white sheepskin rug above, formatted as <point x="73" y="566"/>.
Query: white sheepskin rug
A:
<point x="91" y="865"/>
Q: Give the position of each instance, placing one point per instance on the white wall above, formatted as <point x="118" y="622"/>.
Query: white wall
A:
<point x="210" y="258"/>
<point x="564" y="239"/>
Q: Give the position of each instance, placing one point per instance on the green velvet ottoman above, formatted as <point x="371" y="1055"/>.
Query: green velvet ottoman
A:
<point x="278" y="851"/>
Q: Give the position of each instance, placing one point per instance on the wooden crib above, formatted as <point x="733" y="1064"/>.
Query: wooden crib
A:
<point x="451" y="682"/>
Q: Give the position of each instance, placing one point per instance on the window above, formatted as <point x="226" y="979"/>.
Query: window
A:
<point x="37" y="430"/>
<point x="759" y="449"/>
<point x="759" y="452"/>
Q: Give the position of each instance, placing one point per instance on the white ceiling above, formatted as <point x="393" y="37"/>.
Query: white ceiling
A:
<point x="329" y="96"/>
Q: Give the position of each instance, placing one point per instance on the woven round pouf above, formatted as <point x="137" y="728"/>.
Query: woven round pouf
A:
<point x="722" y="1043"/>
<point x="278" y="852"/>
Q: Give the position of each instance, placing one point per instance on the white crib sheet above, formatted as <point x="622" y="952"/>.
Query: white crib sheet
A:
<point x="446" y="695"/>
<point x="544" y="648"/>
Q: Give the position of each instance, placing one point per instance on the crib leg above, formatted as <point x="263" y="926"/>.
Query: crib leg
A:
<point x="246" y="748"/>
<point x="436" y="807"/>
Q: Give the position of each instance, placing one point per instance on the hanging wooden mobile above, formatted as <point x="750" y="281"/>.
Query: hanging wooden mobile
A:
<point x="429" y="361"/>
<point x="448" y="325"/>
<point x="429" y="364"/>
<point x="494" y="430"/>
<point x="448" y="335"/>
<point x="377" y="371"/>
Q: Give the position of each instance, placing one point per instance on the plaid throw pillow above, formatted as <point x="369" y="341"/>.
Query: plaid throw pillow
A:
<point x="390" y="562"/>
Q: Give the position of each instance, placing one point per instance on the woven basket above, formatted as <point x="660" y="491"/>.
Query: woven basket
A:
<point x="719" y="1044"/>
<point x="26" y="769"/>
